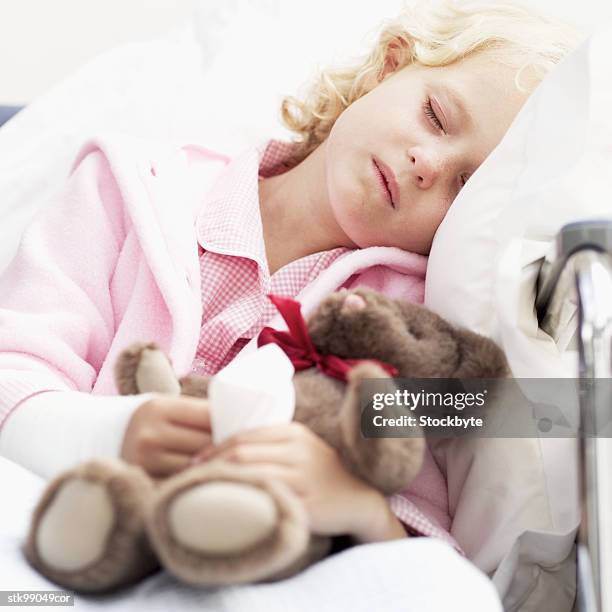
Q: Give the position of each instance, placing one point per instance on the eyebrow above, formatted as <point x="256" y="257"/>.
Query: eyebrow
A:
<point x="458" y="101"/>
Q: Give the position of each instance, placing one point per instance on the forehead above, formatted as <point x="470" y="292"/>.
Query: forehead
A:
<point x="484" y="89"/>
<point x="474" y="78"/>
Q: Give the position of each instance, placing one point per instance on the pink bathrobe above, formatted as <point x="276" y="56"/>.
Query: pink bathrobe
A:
<point x="127" y="269"/>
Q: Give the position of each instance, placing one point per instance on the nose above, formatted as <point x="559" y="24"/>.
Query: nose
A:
<point x="424" y="170"/>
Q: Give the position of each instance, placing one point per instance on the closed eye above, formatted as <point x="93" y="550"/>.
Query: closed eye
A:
<point x="416" y="334"/>
<point x="464" y="179"/>
<point x="433" y="118"/>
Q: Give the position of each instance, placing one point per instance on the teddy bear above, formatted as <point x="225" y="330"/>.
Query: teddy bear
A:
<point x="106" y="523"/>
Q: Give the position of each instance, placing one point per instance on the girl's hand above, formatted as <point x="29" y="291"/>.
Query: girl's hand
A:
<point x="165" y="432"/>
<point x="336" y="501"/>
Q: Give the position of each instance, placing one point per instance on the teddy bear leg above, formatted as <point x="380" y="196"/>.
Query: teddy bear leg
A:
<point x="212" y="524"/>
<point x="318" y="548"/>
<point x="87" y="531"/>
<point x="388" y="463"/>
<point x="143" y="368"/>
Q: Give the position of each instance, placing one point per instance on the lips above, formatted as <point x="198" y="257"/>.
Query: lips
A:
<point x="382" y="184"/>
<point x="389" y="180"/>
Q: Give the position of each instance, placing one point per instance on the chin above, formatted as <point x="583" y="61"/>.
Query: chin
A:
<point x="358" y="220"/>
<point x="365" y="235"/>
<point x="362" y="235"/>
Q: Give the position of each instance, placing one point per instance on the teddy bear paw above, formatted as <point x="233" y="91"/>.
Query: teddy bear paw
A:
<point x="143" y="368"/>
<point x="353" y="302"/>
<point x="87" y="532"/>
<point x="222" y="518"/>
<point x="211" y="525"/>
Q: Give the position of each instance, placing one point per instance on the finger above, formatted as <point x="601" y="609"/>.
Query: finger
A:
<point x="184" y="439"/>
<point x="259" y="436"/>
<point x="265" y="471"/>
<point x="273" y="433"/>
<point x="166" y="463"/>
<point x="255" y="453"/>
<point x="190" y="412"/>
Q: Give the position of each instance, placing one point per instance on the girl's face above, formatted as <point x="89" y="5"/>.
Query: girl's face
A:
<point x="426" y="130"/>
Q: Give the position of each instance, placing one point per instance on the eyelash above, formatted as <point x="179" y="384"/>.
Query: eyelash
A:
<point x="429" y="111"/>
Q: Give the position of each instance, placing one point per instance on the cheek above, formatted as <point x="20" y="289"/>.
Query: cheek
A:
<point x="347" y="201"/>
<point x="360" y="221"/>
<point x="349" y="186"/>
<point x="342" y="173"/>
<point x="423" y="224"/>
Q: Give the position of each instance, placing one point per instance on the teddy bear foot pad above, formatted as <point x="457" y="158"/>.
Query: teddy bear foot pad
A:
<point x="88" y="531"/>
<point x="222" y="518"/>
<point x="213" y="525"/>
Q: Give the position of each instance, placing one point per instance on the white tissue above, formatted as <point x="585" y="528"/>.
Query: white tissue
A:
<point x="254" y="390"/>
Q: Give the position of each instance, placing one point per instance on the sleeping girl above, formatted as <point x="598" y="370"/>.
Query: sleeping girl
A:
<point x="181" y="246"/>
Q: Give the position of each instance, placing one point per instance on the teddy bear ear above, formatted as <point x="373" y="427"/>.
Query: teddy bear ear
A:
<point x="480" y="357"/>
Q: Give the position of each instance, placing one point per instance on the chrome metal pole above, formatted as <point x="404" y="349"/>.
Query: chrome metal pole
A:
<point x="583" y="268"/>
<point x="593" y="275"/>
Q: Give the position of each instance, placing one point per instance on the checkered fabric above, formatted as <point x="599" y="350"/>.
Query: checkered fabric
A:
<point x="234" y="270"/>
<point x="235" y="279"/>
<point x="416" y="522"/>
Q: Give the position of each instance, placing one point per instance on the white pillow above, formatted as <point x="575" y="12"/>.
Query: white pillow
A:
<point x="552" y="167"/>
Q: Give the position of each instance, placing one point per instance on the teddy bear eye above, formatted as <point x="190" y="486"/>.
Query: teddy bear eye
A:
<point x="414" y="332"/>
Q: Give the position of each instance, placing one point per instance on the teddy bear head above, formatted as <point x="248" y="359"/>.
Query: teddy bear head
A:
<point x="363" y="323"/>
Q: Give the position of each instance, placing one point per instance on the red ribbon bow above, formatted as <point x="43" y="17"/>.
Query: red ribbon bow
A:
<point x="298" y="345"/>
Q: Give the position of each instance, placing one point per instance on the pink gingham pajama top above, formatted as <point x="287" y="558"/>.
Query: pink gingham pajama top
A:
<point x="234" y="271"/>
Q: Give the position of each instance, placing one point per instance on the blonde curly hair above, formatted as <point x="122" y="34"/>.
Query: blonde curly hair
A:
<point x="430" y="34"/>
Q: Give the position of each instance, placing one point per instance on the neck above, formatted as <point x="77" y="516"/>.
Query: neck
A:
<point x="296" y="213"/>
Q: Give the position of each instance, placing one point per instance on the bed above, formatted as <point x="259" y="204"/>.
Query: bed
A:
<point x="402" y="575"/>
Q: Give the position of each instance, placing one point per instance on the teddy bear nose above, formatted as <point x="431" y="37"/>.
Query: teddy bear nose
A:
<point x="353" y="302"/>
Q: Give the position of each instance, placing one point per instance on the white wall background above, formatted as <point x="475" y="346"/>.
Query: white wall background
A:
<point x="41" y="41"/>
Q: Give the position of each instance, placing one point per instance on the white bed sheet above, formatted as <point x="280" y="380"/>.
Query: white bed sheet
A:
<point x="420" y="574"/>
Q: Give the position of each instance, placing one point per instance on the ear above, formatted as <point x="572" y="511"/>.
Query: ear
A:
<point x="480" y="357"/>
<point x="396" y="54"/>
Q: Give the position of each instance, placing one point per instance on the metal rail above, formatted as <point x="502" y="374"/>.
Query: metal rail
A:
<point x="582" y="270"/>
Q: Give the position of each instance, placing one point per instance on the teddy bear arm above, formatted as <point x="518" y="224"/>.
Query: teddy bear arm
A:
<point x="388" y="464"/>
<point x="332" y="410"/>
<point x="480" y="357"/>
<point x="317" y="398"/>
<point x="143" y="368"/>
